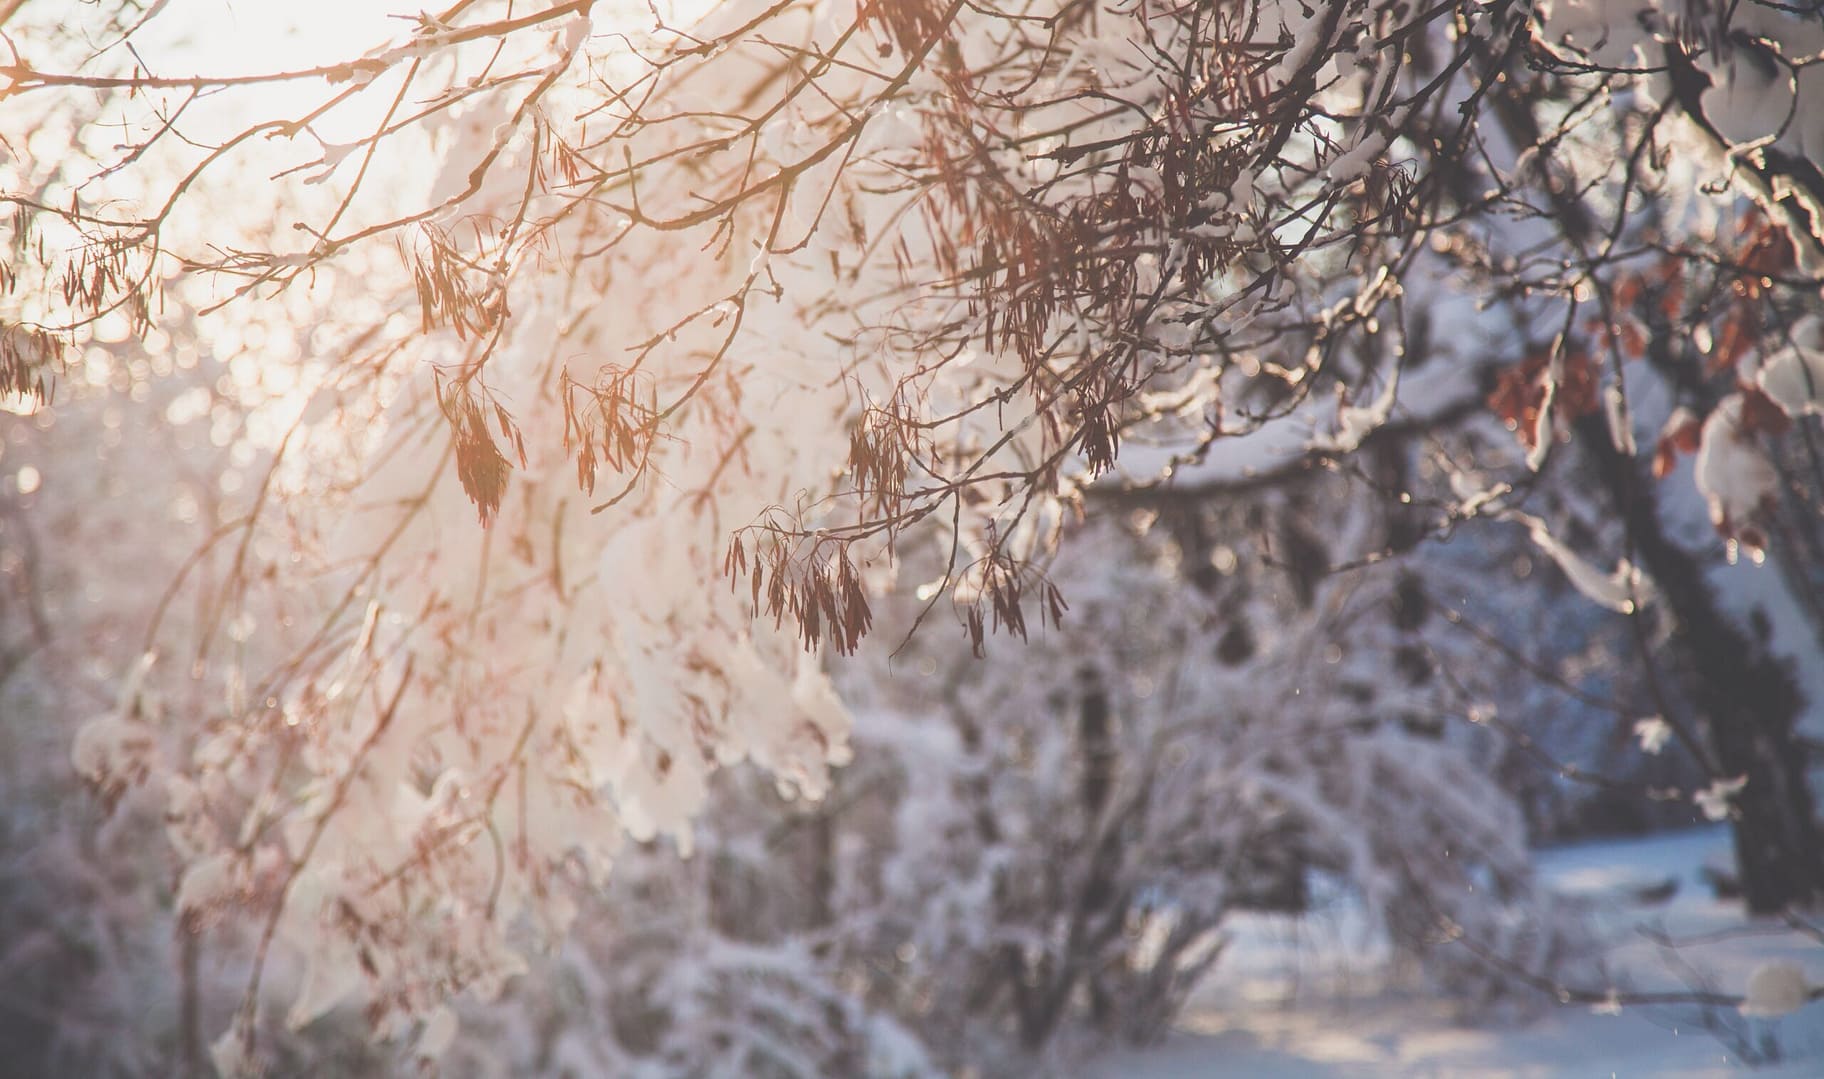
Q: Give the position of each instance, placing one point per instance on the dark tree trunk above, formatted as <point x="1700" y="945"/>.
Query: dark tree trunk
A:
<point x="823" y="870"/>
<point x="1745" y="696"/>
<point x="1096" y="736"/>
<point x="190" y="1019"/>
<point x="1096" y="916"/>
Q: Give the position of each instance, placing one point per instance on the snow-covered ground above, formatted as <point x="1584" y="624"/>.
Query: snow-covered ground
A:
<point x="1312" y="997"/>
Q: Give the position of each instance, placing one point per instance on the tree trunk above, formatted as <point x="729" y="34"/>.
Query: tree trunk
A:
<point x="1096" y="737"/>
<point x="1744" y="694"/>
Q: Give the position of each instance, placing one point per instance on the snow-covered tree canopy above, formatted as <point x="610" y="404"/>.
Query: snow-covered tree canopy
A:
<point x="589" y="365"/>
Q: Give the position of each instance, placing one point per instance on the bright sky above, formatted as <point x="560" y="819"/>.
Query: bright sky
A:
<point x="245" y="36"/>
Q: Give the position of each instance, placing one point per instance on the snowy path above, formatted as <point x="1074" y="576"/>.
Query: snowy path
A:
<point x="1307" y="1001"/>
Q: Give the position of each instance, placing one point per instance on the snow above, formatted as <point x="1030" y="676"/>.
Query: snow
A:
<point x="1312" y="999"/>
<point x="1621" y="427"/>
<point x="439" y="1031"/>
<point x="1732" y="475"/>
<point x="1653" y="733"/>
<point x="1625" y="590"/>
<point x="1714" y="799"/>
<point x="1355" y="423"/>
<point x="1794" y="376"/>
<point x="1414" y="1039"/>
<point x="1776" y="989"/>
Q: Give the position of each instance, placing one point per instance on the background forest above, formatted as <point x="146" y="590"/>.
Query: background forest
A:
<point x="910" y="537"/>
